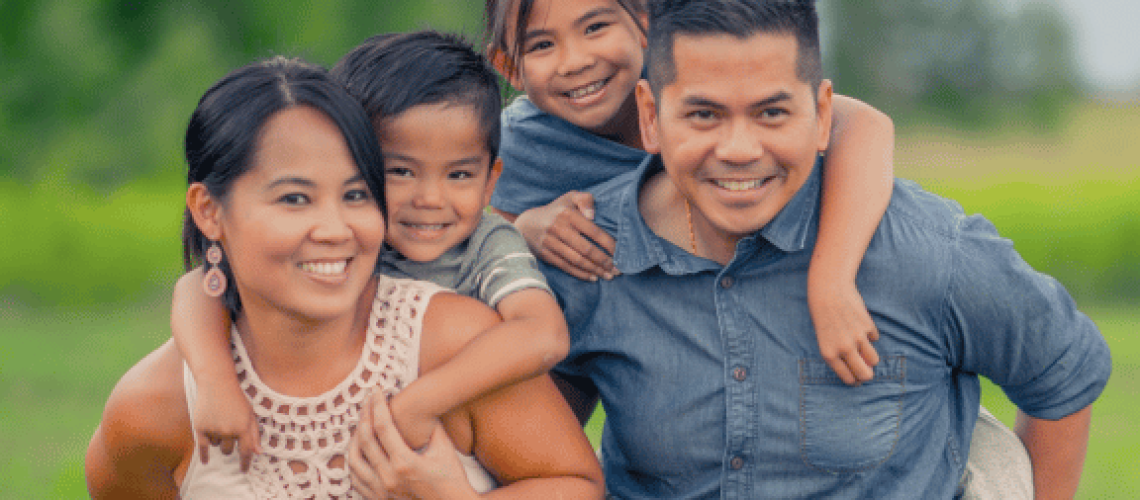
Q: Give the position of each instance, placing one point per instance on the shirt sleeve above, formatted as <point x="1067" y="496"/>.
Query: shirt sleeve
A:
<point x="1020" y="328"/>
<point x="505" y="264"/>
<point x="526" y="181"/>
<point x="578" y="300"/>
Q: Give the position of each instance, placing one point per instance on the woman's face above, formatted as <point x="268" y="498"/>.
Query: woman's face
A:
<point x="300" y="229"/>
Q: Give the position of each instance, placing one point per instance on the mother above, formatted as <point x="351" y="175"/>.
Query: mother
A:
<point x="284" y="171"/>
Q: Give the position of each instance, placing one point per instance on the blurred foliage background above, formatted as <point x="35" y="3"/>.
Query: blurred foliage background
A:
<point x="95" y="95"/>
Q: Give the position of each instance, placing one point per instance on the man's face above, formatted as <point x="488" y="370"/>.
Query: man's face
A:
<point x="737" y="130"/>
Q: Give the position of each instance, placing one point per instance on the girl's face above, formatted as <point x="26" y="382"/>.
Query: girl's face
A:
<point x="300" y="229"/>
<point x="580" y="61"/>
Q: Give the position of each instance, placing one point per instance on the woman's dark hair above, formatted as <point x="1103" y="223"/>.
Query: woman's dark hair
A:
<point x="223" y="136"/>
<point x="497" y="14"/>
<point x="392" y="73"/>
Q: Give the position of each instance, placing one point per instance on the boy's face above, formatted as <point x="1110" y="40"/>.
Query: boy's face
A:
<point x="437" y="178"/>
<point x="738" y="131"/>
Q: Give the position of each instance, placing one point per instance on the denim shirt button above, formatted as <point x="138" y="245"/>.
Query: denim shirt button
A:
<point x="726" y="282"/>
<point x="736" y="463"/>
<point x="740" y="373"/>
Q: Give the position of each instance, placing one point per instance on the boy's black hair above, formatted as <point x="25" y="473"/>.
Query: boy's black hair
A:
<point x="395" y="72"/>
<point x="669" y="19"/>
<point x="223" y="136"/>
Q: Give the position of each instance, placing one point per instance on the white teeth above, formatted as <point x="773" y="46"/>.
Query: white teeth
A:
<point x="740" y="185"/>
<point x="426" y="227"/>
<point x="329" y="268"/>
<point x="587" y="90"/>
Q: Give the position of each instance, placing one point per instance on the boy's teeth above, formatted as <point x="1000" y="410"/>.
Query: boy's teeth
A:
<point x="587" y="90"/>
<point x="740" y="185"/>
<point x="324" y="267"/>
<point x="426" y="227"/>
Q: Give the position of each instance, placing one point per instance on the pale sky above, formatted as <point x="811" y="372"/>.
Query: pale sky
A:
<point x="1107" y="33"/>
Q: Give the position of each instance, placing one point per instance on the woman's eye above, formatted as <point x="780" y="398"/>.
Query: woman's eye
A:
<point x="357" y="195"/>
<point x="294" y="199"/>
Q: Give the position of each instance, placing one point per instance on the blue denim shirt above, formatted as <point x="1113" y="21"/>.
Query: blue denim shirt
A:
<point x="712" y="380"/>
<point x="545" y="156"/>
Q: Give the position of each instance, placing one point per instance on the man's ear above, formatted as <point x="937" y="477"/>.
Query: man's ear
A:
<point x="205" y="209"/>
<point x="492" y="179"/>
<point x="824" y="112"/>
<point x="506" y="67"/>
<point x="647" y="117"/>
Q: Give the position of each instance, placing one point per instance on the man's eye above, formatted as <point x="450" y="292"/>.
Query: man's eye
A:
<point x="772" y="113"/>
<point x="294" y="199"/>
<point x="702" y="114"/>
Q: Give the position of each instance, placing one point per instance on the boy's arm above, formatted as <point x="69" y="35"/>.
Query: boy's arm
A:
<point x="200" y="326"/>
<point x="530" y="340"/>
<point x="857" y="184"/>
<point x="1056" y="450"/>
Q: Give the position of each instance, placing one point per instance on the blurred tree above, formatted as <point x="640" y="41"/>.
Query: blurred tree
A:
<point x="97" y="92"/>
<point x="970" y="63"/>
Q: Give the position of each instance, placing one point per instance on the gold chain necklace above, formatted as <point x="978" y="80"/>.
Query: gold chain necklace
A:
<point x="692" y="234"/>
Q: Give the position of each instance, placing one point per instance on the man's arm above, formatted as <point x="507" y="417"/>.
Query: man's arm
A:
<point x="1057" y="450"/>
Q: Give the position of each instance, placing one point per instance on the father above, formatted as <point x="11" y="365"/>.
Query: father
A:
<point x="702" y="350"/>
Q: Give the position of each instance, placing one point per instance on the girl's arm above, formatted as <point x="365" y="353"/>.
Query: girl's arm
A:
<point x="528" y="342"/>
<point x="857" y="181"/>
<point x="563" y="234"/>
<point x="144" y="435"/>
<point x="200" y="326"/>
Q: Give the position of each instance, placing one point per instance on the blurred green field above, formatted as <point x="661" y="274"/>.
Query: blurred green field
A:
<point x="84" y="274"/>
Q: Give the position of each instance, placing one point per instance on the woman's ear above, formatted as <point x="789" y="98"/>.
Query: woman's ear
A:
<point x="205" y="209"/>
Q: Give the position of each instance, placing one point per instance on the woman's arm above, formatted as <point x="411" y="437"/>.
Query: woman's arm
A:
<point x="857" y="181"/>
<point x="144" y="437"/>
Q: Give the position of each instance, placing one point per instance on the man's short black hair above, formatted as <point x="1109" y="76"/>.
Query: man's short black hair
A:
<point x="738" y="18"/>
<point x="395" y="72"/>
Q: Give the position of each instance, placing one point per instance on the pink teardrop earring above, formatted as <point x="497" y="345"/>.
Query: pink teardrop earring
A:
<point x="215" y="282"/>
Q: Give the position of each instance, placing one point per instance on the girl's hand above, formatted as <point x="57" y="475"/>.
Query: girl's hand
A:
<point x="564" y="235"/>
<point x="224" y="418"/>
<point x="381" y="465"/>
<point x="844" y="331"/>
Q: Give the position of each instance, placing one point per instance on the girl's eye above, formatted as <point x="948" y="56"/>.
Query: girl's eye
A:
<point x="398" y="172"/>
<point x="357" y="195"/>
<point x="595" y="27"/>
<point x="294" y="199"/>
<point x="539" y="45"/>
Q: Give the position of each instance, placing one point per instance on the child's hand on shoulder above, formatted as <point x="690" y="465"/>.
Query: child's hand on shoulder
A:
<point x="844" y="331"/>
<point x="564" y="235"/>
<point x="223" y="418"/>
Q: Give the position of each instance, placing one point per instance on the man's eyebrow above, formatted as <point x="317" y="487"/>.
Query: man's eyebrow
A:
<point x="704" y="102"/>
<point x="780" y="96"/>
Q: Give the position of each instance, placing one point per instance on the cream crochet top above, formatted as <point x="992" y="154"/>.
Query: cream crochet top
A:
<point x="304" y="439"/>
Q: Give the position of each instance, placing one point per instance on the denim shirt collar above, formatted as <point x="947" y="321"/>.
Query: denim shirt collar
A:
<point x="638" y="248"/>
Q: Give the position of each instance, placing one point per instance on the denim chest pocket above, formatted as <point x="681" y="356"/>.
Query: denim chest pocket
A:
<point x="845" y="429"/>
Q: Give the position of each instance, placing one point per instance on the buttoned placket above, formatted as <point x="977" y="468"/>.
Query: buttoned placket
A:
<point x="740" y="390"/>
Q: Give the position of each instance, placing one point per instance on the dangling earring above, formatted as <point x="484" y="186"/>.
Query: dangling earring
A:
<point x="215" y="282"/>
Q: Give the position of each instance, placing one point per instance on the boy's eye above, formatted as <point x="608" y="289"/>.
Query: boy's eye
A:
<point x="461" y="174"/>
<point x="596" y="27"/>
<point x="398" y="172"/>
<point x="294" y="199"/>
<point x="357" y="195"/>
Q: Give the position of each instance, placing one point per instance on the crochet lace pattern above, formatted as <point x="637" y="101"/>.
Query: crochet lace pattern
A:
<point x="305" y="439"/>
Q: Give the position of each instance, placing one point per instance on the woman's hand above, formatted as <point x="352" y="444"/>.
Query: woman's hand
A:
<point x="382" y="465"/>
<point x="564" y="235"/>
<point x="224" y="418"/>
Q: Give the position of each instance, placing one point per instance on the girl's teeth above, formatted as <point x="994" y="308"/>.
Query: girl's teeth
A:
<point x="740" y="185"/>
<point x="587" y="90"/>
<point x="324" y="267"/>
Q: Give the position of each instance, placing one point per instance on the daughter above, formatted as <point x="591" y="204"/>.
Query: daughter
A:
<point x="578" y="62"/>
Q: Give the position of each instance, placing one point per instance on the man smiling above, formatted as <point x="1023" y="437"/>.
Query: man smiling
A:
<point x="702" y="351"/>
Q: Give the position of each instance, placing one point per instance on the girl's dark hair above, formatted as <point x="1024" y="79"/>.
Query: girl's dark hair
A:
<point x="392" y="73"/>
<point x="223" y="136"/>
<point x="497" y="14"/>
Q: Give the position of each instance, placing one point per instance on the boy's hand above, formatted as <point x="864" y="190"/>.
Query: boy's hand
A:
<point x="414" y="425"/>
<point x="381" y="465"/>
<point x="564" y="235"/>
<point x="223" y="417"/>
<point x="844" y="331"/>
